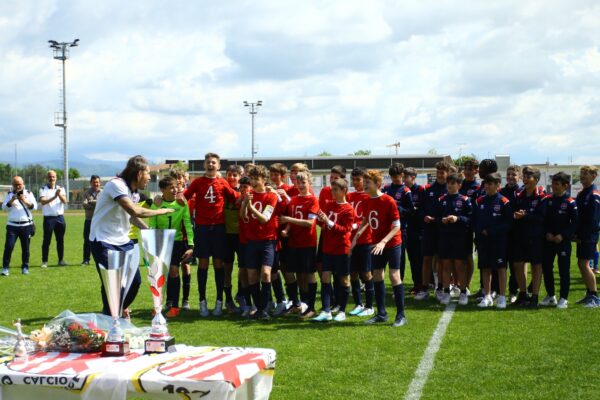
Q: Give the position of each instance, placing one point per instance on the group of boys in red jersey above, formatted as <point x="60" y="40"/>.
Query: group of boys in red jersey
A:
<point x="272" y="228"/>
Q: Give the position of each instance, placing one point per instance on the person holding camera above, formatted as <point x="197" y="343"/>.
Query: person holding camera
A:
<point x="53" y="199"/>
<point x="19" y="203"/>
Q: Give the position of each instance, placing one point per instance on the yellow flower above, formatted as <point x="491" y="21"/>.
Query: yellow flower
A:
<point x="41" y="336"/>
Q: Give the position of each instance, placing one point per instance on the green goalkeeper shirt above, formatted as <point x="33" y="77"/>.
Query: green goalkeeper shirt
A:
<point x="179" y="220"/>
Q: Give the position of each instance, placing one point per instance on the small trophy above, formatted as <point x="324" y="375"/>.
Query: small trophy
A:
<point x="158" y="247"/>
<point x="20" y="349"/>
<point x="117" y="280"/>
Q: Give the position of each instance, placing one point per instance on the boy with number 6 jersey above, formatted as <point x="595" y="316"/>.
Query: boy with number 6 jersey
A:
<point x="381" y="214"/>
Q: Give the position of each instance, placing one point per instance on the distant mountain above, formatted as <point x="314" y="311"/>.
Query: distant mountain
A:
<point x="86" y="168"/>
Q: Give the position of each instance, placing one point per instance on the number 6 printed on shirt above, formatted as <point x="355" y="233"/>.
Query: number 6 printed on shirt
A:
<point x="373" y="221"/>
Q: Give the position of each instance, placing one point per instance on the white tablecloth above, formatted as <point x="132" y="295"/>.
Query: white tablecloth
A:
<point x="190" y="372"/>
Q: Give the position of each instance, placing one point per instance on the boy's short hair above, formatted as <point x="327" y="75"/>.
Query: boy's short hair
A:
<point x="299" y="167"/>
<point x="94" y="177"/>
<point x="410" y="171"/>
<point x="488" y="166"/>
<point x="340" y="170"/>
<point x="212" y="155"/>
<point x="562" y="177"/>
<point x="494" y="177"/>
<point x="443" y="165"/>
<point x="535" y="172"/>
<point x="591" y="169"/>
<point x="235" y="168"/>
<point x="340" y="183"/>
<point x="166" y="181"/>
<point x="244" y="180"/>
<point x="471" y="162"/>
<point x="177" y="173"/>
<point x="304" y="176"/>
<point x="453" y="169"/>
<point x="358" y="171"/>
<point x="375" y="176"/>
<point x="258" y="171"/>
<point x="248" y="166"/>
<point x="515" y="168"/>
<point x="455" y="177"/>
<point x="279" y="168"/>
<point x="396" y="169"/>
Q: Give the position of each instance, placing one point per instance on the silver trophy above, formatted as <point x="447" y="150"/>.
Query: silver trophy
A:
<point x="20" y="349"/>
<point x="158" y="248"/>
<point x="117" y="279"/>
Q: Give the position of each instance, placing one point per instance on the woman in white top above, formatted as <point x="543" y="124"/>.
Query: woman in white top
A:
<point x="114" y="211"/>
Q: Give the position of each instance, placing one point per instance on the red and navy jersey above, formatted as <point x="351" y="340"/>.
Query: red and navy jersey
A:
<point x="471" y="189"/>
<point x="265" y="203"/>
<point x="244" y="227"/>
<point x="532" y="224"/>
<point x="358" y="200"/>
<point x="404" y="201"/>
<point x="382" y="216"/>
<point x="493" y="214"/>
<point x="430" y="194"/>
<point x="210" y="199"/>
<point x="510" y="192"/>
<point x="415" y="222"/>
<point x="588" y="207"/>
<point x="324" y="196"/>
<point x="458" y="205"/>
<point x="303" y="207"/>
<point x="336" y="235"/>
<point x="560" y="216"/>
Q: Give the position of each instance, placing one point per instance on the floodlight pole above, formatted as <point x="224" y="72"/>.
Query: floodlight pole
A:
<point x="253" y="112"/>
<point x="61" y="52"/>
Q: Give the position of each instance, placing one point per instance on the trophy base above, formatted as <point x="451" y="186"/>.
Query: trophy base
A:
<point x="115" y="349"/>
<point x="157" y="346"/>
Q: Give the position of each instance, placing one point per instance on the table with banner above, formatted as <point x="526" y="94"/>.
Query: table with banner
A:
<point x="187" y="373"/>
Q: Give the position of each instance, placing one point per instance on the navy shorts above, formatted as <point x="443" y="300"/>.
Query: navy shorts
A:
<point x="259" y="253"/>
<point x="360" y="261"/>
<point x="586" y="250"/>
<point x="179" y="248"/>
<point x="451" y="246"/>
<point x="209" y="241"/>
<point x="242" y="255"/>
<point x="528" y="250"/>
<point x="469" y="243"/>
<point x="339" y="264"/>
<point x="301" y="260"/>
<point x="491" y="253"/>
<point x="282" y="254"/>
<point x="320" y="249"/>
<point x="232" y="247"/>
<point x="430" y="240"/>
<point x="390" y="256"/>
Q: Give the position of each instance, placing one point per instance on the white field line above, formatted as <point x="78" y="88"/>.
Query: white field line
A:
<point x="426" y="365"/>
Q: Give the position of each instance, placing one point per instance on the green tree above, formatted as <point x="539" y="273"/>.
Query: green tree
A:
<point x="432" y="152"/>
<point x="74" y="173"/>
<point x="5" y="173"/>
<point x="460" y="161"/>
<point x="324" y="153"/>
<point x="361" y="152"/>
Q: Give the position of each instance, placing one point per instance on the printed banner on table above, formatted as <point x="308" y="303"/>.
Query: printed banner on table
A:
<point x="190" y="372"/>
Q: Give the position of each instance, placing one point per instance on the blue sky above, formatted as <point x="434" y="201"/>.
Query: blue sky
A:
<point x="167" y="78"/>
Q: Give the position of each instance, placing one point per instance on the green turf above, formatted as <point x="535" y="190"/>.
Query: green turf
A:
<point x="509" y="354"/>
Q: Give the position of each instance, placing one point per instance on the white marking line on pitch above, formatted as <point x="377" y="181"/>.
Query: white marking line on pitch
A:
<point x="426" y="365"/>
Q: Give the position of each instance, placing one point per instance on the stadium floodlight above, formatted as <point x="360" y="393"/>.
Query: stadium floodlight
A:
<point x="61" y="52"/>
<point x="253" y="112"/>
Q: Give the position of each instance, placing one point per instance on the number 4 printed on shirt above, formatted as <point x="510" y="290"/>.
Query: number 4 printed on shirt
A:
<point x="210" y="195"/>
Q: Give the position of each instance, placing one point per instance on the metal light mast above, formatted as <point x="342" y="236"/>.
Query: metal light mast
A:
<point x="253" y="112"/>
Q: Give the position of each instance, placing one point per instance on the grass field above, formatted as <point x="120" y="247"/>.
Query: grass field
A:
<point x="510" y="354"/>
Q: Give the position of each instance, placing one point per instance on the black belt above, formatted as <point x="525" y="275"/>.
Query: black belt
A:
<point x="20" y="222"/>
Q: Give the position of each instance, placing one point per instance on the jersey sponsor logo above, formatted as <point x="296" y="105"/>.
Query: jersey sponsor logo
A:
<point x="497" y="208"/>
<point x="564" y="206"/>
<point x="459" y="203"/>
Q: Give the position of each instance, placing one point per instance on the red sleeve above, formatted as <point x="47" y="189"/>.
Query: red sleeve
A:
<point x="191" y="190"/>
<point x="230" y="193"/>
<point x="344" y="223"/>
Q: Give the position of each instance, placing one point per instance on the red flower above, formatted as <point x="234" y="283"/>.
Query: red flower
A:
<point x="74" y="327"/>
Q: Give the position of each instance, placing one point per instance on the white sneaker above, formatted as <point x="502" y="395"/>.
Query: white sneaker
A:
<point x="463" y="299"/>
<point x="218" y="311"/>
<point x="341" y="316"/>
<point x="357" y="310"/>
<point x="245" y="311"/>
<point x="445" y="299"/>
<point x="279" y="309"/>
<point x="303" y="308"/>
<point x="455" y="292"/>
<point x="513" y="298"/>
<point x="548" y="301"/>
<point x="44" y="265"/>
<point x="422" y="295"/>
<point x="501" y="302"/>
<point x="562" y="303"/>
<point x="486" y="302"/>
<point x="203" y="309"/>
<point x="323" y="317"/>
<point x="335" y="310"/>
<point x="367" y="312"/>
<point x="468" y="292"/>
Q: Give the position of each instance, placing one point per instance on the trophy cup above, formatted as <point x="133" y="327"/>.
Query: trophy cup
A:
<point x="158" y="247"/>
<point x="20" y="349"/>
<point x="117" y="279"/>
